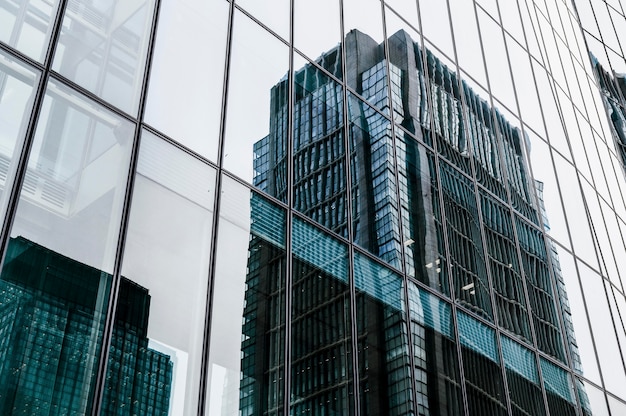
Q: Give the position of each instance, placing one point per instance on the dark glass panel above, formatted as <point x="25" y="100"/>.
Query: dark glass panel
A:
<point x="523" y="379"/>
<point x="319" y="162"/>
<point x="321" y="359"/>
<point x="53" y="310"/>
<point x="435" y="357"/>
<point x="246" y="355"/>
<point x="559" y="389"/>
<point x="469" y="272"/>
<point x="539" y="283"/>
<point x="506" y="276"/>
<point x="382" y="331"/>
<point x="483" y="374"/>
<point x="375" y="216"/>
<point x="422" y="222"/>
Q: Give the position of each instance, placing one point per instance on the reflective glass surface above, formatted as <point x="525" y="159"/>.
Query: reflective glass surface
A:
<point x="17" y="93"/>
<point x="247" y="349"/>
<point x="199" y="85"/>
<point x="156" y="349"/>
<point x="103" y="48"/>
<point x="337" y="207"/>
<point x="257" y="113"/>
<point x="321" y="367"/>
<point x="56" y="275"/>
<point x="319" y="160"/>
<point x="481" y="362"/>
<point x="383" y="341"/>
<point x="27" y="25"/>
<point x="435" y="357"/>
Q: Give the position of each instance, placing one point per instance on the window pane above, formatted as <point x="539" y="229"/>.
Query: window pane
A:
<point x="255" y="145"/>
<point x="56" y="276"/>
<point x="559" y="389"/>
<point x="184" y="72"/>
<point x="469" y="272"/>
<point x="319" y="163"/>
<point x="375" y="216"/>
<point x="17" y="89"/>
<point x="384" y="367"/>
<point x="483" y="380"/>
<point x="320" y="345"/>
<point x="103" y="47"/>
<point x="434" y="355"/>
<point x="160" y="314"/>
<point x="246" y="361"/>
<point x="27" y="25"/>
<point x="522" y="378"/>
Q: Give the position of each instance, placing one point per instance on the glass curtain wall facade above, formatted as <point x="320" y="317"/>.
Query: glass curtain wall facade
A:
<point x="297" y="207"/>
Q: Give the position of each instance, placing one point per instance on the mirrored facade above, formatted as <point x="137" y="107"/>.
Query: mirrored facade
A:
<point x="373" y="207"/>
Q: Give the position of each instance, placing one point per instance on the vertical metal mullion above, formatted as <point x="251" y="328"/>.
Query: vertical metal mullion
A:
<point x="351" y="269"/>
<point x="117" y="268"/>
<point x="204" y="362"/>
<point x="289" y="218"/>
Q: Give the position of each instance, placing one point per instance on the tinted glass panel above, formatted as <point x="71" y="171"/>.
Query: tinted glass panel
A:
<point x="319" y="163"/>
<point x="435" y="357"/>
<point x="375" y="214"/>
<point x="246" y="362"/>
<point x="382" y="331"/>
<point x="483" y="377"/>
<point x="321" y="380"/>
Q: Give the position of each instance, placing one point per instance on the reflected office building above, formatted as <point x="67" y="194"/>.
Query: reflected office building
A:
<point x="393" y="179"/>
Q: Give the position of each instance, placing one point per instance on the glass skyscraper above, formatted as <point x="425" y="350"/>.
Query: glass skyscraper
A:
<point x="297" y="207"/>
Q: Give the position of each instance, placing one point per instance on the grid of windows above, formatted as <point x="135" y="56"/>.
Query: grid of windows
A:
<point x="297" y="207"/>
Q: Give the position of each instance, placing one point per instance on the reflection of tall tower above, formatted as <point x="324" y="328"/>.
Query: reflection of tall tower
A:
<point x="613" y="89"/>
<point x="50" y="313"/>
<point x="498" y="258"/>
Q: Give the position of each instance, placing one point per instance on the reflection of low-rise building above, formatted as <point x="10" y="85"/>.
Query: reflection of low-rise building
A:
<point x="499" y="262"/>
<point x="52" y="321"/>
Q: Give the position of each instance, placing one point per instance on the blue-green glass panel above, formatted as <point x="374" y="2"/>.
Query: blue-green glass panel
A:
<point x="557" y="380"/>
<point x="267" y="220"/>
<point x="383" y="341"/>
<point x="477" y="336"/>
<point x="320" y="250"/>
<point x="435" y="355"/>
<point x="519" y="359"/>
<point x="321" y="336"/>
<point x="378" y="282"/>
<point x="430" y="310"/>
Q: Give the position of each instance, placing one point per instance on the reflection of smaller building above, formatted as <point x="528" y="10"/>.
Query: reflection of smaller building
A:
<point x="51" y="322"/>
